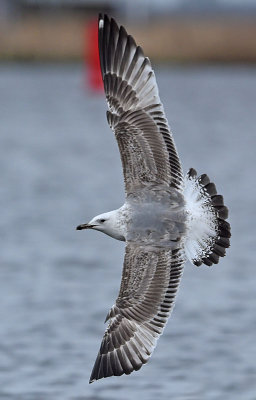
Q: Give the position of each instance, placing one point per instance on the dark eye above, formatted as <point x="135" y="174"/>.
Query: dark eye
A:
<point x="102" y="220"/>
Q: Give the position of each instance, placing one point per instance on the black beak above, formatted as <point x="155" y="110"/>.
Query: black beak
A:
<point x="84" y="226"/>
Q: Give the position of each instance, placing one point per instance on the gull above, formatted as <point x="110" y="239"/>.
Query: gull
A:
<point x="167" y="218"/>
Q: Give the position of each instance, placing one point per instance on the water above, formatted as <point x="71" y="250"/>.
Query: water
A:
<point x="59" y="167"/>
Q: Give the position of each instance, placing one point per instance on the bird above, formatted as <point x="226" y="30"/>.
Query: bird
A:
<point x="167" y="218"/>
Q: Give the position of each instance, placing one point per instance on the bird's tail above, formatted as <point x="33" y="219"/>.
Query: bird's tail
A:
<point x="208" y="233"/>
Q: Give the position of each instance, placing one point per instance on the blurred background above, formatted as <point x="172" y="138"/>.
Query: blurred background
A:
<point x="170" y="30"/>
<point x="60" y="166"/>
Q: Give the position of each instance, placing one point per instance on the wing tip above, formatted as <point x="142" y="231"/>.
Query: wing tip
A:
<point x="124" y="349"/>
<point x="101" y="22"/>
<point x="103" y="19"/>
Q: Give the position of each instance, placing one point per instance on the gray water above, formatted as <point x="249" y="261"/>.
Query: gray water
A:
<point x="59" y="167"/>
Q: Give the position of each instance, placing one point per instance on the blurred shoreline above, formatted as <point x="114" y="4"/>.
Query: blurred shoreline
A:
<point x="173" y="39"/>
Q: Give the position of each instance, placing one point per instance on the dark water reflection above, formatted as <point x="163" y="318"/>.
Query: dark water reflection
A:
<point x="59" y="167"/>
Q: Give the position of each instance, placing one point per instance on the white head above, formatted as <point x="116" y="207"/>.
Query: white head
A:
<point x="108" y="223"/>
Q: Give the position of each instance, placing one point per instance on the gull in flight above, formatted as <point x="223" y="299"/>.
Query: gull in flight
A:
<point x="167" y="218"/>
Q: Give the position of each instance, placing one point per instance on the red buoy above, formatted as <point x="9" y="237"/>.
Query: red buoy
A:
<point x="94" y="79"/>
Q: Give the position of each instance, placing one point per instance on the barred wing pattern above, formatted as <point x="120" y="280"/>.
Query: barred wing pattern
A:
<point x="150" y="280"/>
<point x="136" y="113"/>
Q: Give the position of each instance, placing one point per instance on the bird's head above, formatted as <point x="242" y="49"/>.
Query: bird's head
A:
<point x="99" y="223"/>
<point x="106" y="223"/>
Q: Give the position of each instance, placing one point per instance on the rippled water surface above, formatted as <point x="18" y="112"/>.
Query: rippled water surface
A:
<point x="59" y="167"/>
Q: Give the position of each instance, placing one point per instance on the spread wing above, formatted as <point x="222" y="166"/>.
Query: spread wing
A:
<point x="150" y="280"/>
<point x="136" y="113"/>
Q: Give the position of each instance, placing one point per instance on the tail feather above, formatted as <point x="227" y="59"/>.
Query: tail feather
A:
<point x="208" y="232"/>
